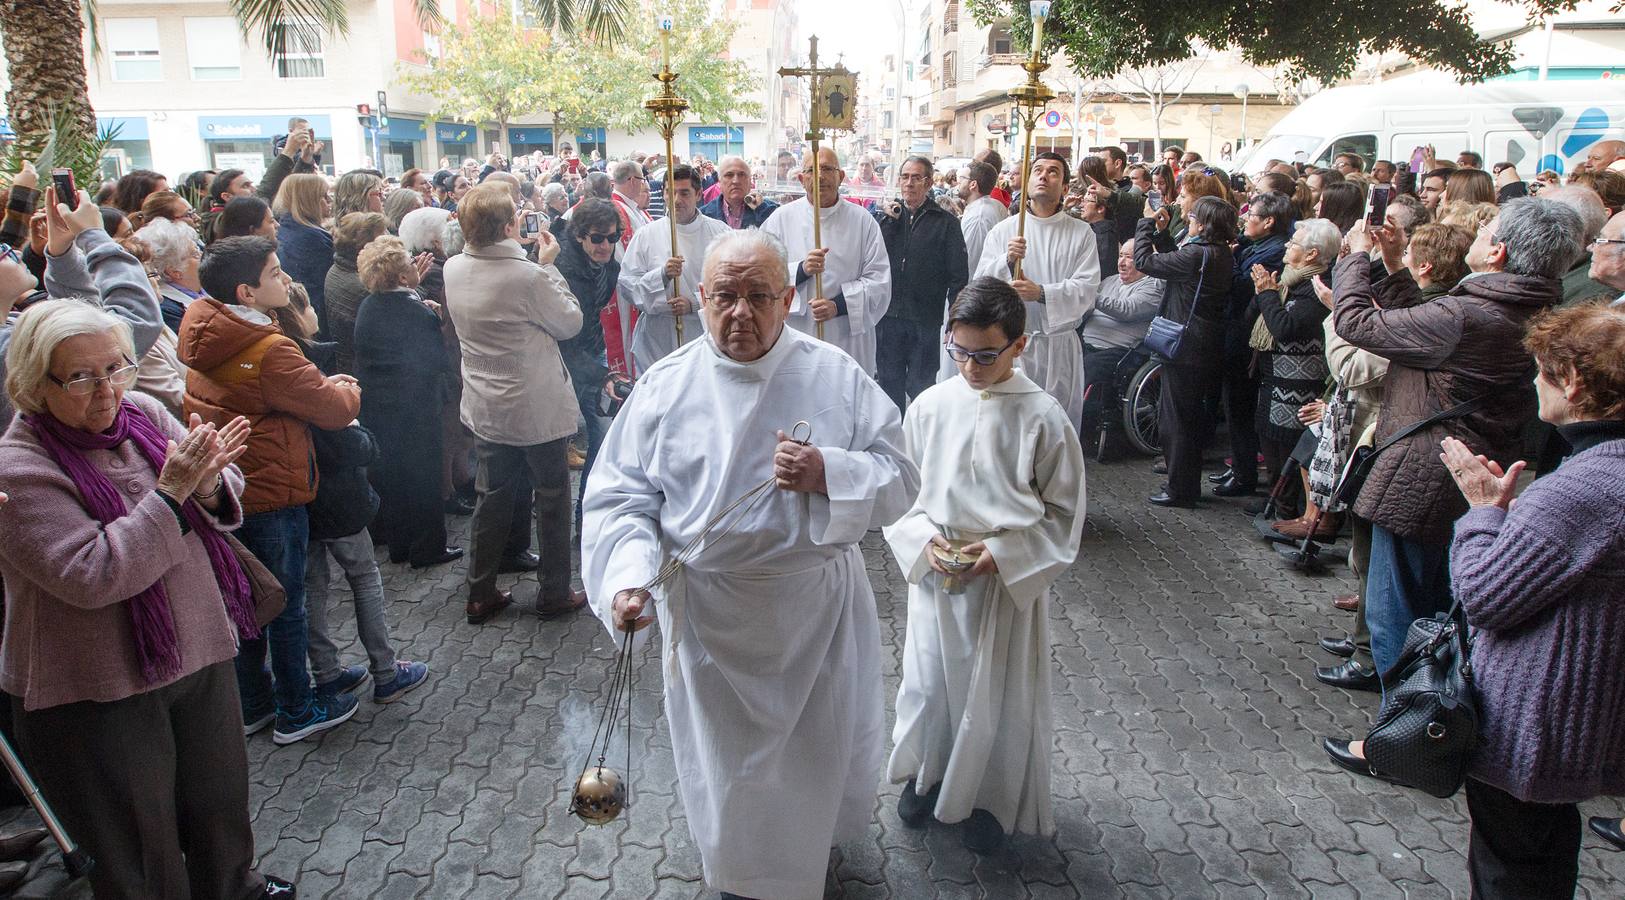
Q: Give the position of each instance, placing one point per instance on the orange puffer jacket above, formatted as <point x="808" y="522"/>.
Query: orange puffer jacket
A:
<point x="238" y="367"/>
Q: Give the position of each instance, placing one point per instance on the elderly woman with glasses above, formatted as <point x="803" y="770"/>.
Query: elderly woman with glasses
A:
<point x="124" y="607"/>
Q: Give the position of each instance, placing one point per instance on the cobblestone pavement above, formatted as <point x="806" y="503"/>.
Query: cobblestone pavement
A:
<point x="1187" y="759"/>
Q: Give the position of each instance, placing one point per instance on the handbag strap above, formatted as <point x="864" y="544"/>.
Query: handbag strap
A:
<point x="1463" y="408"/>
<point x="1196" y="298"/>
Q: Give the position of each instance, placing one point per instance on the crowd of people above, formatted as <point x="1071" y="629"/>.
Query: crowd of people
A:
<point x="208" y="389"/>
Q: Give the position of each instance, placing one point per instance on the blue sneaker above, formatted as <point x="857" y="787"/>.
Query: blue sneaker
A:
<point x="258" y="717"/>
<point x="351" y="679"/>
<point x="320" y="714"/>
<point x="408" y="675"/>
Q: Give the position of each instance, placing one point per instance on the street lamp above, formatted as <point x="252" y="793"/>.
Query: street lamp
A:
<point x="1241" y="91"/>
<point x="1213" y="119"/>
<point x="1030" y="98"/>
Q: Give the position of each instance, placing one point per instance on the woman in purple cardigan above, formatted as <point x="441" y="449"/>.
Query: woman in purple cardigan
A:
<point x="124" y="606"/>
<point x="1542" y="581"/>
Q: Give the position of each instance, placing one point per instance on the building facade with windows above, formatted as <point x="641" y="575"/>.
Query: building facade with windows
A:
<point x="187" y="90"/>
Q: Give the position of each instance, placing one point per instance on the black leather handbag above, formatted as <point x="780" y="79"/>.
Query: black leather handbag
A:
<point x="1427" y="728"/>
<point x="1164" y="336"/>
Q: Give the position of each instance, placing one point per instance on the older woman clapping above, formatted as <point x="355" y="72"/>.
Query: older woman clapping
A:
<point x="124" y="607"/>
<point x="1543" y="585"/>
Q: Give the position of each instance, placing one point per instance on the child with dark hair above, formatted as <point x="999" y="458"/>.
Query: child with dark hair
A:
<point x="1001" y="483"/>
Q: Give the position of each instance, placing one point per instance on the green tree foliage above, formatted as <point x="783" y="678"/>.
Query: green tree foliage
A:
<point x="1322" y="40"/>
<point x="497" y="70"/>
<point x="494" y="70"/>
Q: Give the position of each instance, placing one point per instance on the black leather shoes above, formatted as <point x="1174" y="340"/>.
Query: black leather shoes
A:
<point x="20" y="844"/>
<point x="1160" y="467"/>
<point x="1338" y="750"/>
<point x="1221" y="477"/>
<point x="1233" y="488"/>
<point x="1351" y="675"/>
<point x="449" y="554"/>
<point x="1608" y="830"/>
<point x="915" y="809"/>
<point x="1163" y="499"/>
<point x="524" y="562"/>
<point x="1338" y="646"/>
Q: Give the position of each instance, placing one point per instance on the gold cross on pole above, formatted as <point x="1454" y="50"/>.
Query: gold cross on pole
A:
<point x="834" y="100"/>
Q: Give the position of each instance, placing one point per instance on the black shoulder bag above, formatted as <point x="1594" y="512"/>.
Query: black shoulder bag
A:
<point x="1165" y="335"/>
<point x="1427" y="728"/>
<point x="1362" y="459"/>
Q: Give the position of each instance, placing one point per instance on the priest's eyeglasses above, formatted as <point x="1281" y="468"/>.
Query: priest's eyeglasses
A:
<point x="726" y="300"/>
<point x="122" y="377"/>
<point x="982" y="357"/>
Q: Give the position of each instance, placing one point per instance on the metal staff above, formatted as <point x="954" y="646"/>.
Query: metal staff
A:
<point x="1030" y="98"/>
<point x="667" y="109"/>
<point x="816" y="123"/>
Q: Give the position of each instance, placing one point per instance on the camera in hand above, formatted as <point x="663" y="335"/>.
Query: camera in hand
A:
<point x="66" y="192"/>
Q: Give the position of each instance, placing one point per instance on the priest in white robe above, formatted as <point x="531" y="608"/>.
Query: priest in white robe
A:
<point x="1060" y="278"/>
<point x="771" y="640"/>
<point x="649" y="266"/>
<point x="982" y="212"/>
<point x="1001" y="467"/>
<point x="857" y="272"/>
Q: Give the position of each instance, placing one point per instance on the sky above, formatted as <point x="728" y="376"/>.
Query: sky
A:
<point x="864" y="30"/>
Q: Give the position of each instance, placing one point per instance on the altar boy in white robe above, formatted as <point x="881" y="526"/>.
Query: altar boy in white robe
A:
<point x="649" y="266"/>
<point x="1060" y="278"/>
<point x="853" y="260"/>
<point x="771" y="638"/>
<point x="1001" y="467"/>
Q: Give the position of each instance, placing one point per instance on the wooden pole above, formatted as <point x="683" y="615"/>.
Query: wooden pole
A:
<point x="815" y="128"/>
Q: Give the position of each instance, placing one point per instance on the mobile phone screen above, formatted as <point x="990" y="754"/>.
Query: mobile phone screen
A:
<point x="62" y="180"/>
<point x="1379" y="207"/>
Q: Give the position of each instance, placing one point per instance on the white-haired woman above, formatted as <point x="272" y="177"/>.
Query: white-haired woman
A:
<point x="175" y="258"/>
<point x="124" y="606"/>
<point x="1291" y="344"/>
<point x="431" y="230"/>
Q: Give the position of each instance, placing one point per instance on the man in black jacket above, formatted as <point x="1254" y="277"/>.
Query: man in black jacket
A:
<point x="929" y="268"/>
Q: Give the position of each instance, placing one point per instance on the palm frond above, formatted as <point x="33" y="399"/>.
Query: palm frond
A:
<point x="68" y="147"/>
<point x="428" y="15"/>
<point x="93" y="26"/>
<point x="278" y="21"/>
<point x="606" y="19"/>
<point x="602" y="20"/>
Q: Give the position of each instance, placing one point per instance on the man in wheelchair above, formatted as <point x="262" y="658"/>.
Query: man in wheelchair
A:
<point x="1112" y="357"/>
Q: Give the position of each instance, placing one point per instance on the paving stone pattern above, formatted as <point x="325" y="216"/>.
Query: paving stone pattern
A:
<point x="1187" y="760"/>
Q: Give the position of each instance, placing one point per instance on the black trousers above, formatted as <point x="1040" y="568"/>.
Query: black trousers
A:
<point x="1099" y="367"/>
<point x="1184" y="426"/>
<point x="1521" y="850"/>
<point x="155" y="787"/>
<point x="500" y="480"/>
<point x="1240" y="408"/>
<point x="907" y="356"/>
<point x="408" y="476"/>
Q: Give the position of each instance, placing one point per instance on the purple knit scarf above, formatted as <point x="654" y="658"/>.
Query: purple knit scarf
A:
<point x="155" y="641"/>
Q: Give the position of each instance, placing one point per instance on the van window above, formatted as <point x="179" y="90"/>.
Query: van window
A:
<point x="1361" y="145"/>
<point x="1446" y="144"/>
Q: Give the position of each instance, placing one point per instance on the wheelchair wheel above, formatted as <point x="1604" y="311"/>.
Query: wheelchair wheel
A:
<point x="1140" y="404"/>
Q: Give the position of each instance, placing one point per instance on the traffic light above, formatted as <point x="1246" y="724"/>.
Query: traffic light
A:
<point x="363" y="114"/>
<point x="383" y="110"/>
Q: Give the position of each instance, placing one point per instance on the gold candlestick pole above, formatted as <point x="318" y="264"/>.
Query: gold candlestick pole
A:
<point x="1030" y="98"/>
<point x="667" y="109"/>
<point x="834" y="97"/>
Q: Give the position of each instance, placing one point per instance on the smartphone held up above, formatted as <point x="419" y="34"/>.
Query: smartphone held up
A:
<point x="66" y="192"/>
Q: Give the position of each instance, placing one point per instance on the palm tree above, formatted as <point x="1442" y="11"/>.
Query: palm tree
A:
<point x="43" y="43"/>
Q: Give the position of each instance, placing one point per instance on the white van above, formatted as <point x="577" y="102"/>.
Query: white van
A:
<point x="1535" y="125"/>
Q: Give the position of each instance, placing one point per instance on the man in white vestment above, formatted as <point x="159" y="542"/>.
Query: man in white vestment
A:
<point x="857" y="272"/>
<point x="982" y="212"/>
<point x="1000" y="468"/>
<point x="1059" y="280"/>
<point x="650" y="265"/>
<point x="771" y="652"/>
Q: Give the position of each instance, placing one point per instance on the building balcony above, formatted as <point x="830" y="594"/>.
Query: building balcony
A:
<point x="1000" y="59"/>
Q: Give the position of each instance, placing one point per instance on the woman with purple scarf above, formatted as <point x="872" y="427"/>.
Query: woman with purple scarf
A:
<point x="124" y="605"/>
